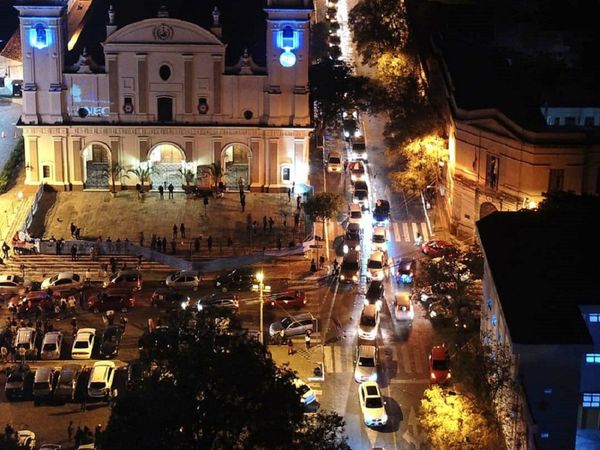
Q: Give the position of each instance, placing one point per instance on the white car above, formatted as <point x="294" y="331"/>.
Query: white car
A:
<point x="334" y="163"/>
<point x="83" y="344"/>
<point x="307" y="395"/>
<point x="51" y="345"/>
<point x="13" y="284"/>
<point x="367" y="360"/>
<point x="358" y="171"/>
<point x="379" y="239"/>
<point x="372" y="404"/>
<point x="403" y="307"/>
<point x="183" y="279"/>
<point x="377" y="266"/>
<point x="64" y="280"/>
<point x="355" y="214"/>
<point x="101" y="379"/>
<point x="369" y="323"/>
<point x="26" y="439"/>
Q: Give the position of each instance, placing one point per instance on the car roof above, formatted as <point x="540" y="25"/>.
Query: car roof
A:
<point x="6" y="277"/>
<point x="367" y="351"/>
<point x="402" y="298"/>
<point x="379" y="230"/>
<point x="371" y="388"/>
<point x="370" y="310"/>
<point x="62" y="275"/>
<point x="439" y="352"/>
<point x="355" y="207"/>
<point x="43" y="372"/>
<point x="24" y="330"/>
<point x="352" y="256"/>
<point x="52" y="335"/>
<point x="86" y="331"/>
<point x="193" y="273"/>
<point x="376" y="255"/>
<point x="353" y="225"/>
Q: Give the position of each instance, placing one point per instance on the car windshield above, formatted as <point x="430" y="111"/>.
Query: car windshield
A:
<point x="373" y="264"/>
<point x="379" y="238"/>
<point x="374" y="402"/>
<point x="53" y="279"/>
<point x="303" y="389"/>
<point x="356" y="214"/>
<point x="81" y="344"/>
<point x="360" y="193"/>
<point x="334" y="160"/>
<point x="285" y="322"/>
<point x="24" y="345"/>
<point x="17" y="279"/>
<point x="350" y="265"/>
<point x="366" y="362"/>
<point x="49" y="347"/>
<point x="368" y="321"/>
<point x="441" y="364"/>
<point x="374" y="292"/>
<point x="41" y="385"/>
<point x="15" y="377"/>
<point x="97" y="385"/>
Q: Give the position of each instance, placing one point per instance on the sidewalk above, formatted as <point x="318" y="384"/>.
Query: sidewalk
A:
<point x="302" y="361"/>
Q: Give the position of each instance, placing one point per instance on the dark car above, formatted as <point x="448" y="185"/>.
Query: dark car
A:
<point x="111" y="340"/>
<point x="43" y="384"/>
<point x="350" y="268"/>
<point x="218" y="301"/>
<point x="286" y="299"/>
<point x="158" y="344"/>
<point x="237" y="279"/>
<point x="137" y="371"/>
<point x="406" y="270"/>
<point x="111" y="299"/>
<point x="17" y="380"/>
<point x="169" y="298"/>
<point x="381" y="212"/>
<point x="352" y="238"/>
<point x="66" y="386"/>
<point x="361" y="194"/>
<point x="375" y="293"/>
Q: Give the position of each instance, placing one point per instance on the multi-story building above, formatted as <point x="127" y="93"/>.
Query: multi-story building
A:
<point x="541" y="304"/>
<point x="158" y="93"/>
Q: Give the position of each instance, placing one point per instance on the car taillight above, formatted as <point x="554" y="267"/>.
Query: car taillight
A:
<point x="132" y="301"/>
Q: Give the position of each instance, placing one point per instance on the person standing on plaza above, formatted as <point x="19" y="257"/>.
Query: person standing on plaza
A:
<point x="209" y="242"/>
<point x="175" y="231"/>
<point x="271" y="223"/>
<point x="205" y="201"/>
<point x="173" y="246"/>
<point x="158" y="244"/>
<point x="307" y="340"/>
<point x="141" y="238"/>
<point x="265" y="223"/>
<point x="279" y="243"/>
<point x="164" y="244"/>
<point x="170" y="189"/>
<point x="289" y="192"/>
<point x="78" y="233"/>
<point x="197" y="245"/>
<point x="293" y="187"/>
<point x="73" y="229"/>
<point x="243" y="202"/>
<point x="161" y="192"/>
<point x="70" y="430"/>
<point x="5" y="249"/>
<point x="298" y="201"/>
<point x="182" y="230"/>
<point x="290" y="345"/>
<point x="73" y="252"/>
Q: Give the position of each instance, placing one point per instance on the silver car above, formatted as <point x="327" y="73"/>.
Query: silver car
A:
<point x="367" y="360"/>
<point x="183" y="279"/>
<point x="51" y="345"/>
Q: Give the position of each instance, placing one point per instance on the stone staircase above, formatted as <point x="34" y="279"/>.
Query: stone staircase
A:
<point x="39" y="266"/>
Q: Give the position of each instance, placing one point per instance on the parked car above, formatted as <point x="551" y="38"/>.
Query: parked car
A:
<point x="355" y="214"/>
<point x="307" y="395"/>
<point x="377" y="266"/>
<point x="219" y="301"/>
<point x="437" y="247"/>
<point x="350" y="268"/>
<point x="405" y="272"/>
<point x="439" y="365"/>
<point x="369" y="323"/>
<point x="26" y="440"/>
<point x="360" y="194"/>
<point x="381" y="213"/>
<point x="184" y="279"/>
<point x="237" y="279"/>
<point x="375" y="294"/>
<point x="129" y="279"/>
<point x="25" y="339"/>
<point x="379" y="239"/>
<point x="403" y="308"/>
<point x="158" y="343"/>
<point x="101" y="379"/>
<point x="169" y="298"/>
<point x="83" y="343"/>
<point x="51" y="345"/>
<point x="366" y="363"/>
<point x="372" y="404"/>
<point x="43" y="384"/>
<point x="116" y="299"/>
<point x="352" y="238"/>
<point x="66" y="386"/>
<point x="18" y="379"/>
<point x="334" y="163"/>
<point x="137" y="370"/>
<point x="358" y="171"/>
<point x="286" y="299"/>
<point x="63" y="281"/>
<point x="14" y="284"/>
<point x="32" y="299"/>
<point x="111" y="340"/>
<point x="292" y="326"/>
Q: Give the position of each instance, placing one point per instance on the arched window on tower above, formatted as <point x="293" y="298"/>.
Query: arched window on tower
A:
<point x="287" y="38"/>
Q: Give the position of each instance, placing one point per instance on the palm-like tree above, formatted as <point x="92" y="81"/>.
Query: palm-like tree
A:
<point x="188" y="176"/>
<point x="143" y="174"/>
<point x="114" y="172"/>
<point x="216" y="173"/>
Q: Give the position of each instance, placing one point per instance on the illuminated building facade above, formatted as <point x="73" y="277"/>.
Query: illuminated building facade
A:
<point x="165" y="98"/>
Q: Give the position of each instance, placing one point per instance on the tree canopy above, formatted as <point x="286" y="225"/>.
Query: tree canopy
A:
<point x="220" y="389"/>
<point x="323" y="206"/>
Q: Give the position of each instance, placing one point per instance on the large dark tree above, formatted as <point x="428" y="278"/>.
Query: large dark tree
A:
<point x="220" y="390"/>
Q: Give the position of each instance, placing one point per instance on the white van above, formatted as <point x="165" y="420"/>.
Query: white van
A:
<point x="334" y="162"/>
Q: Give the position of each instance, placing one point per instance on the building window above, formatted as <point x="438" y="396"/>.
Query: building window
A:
<point x="286" y="174"/>
<point x="594" y="318"/>
<point x="548" y="391"/>
<point x="489" y="303"/>
<point x="591" y="400"/>
<point x="492" y="171"/>
<point x="570" y="121"/>
<point x="556" y="180"/>
<point x="165" y="109"/>
<point x="592" y="358"/>
<point x="164" y="72"/>
<point x="494" y="320"/>
<point x="46" y="171"/>
<point x="589" y="121"/>
<point x="128" y="105"/>
<point x="544" y="435"/>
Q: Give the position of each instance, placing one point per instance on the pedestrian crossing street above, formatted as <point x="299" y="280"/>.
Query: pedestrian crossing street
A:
<point x="396" y="361"/>
<point x="407" y="231"/>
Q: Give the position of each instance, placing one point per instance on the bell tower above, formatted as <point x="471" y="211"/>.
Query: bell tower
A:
<point x="43" y="44"/>
<point x="288" y="60"/>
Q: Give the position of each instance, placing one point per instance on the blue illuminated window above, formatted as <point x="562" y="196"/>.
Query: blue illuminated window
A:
<point x="39" y="36"/>
<point x="592" y="358"/>
<point x="494" y="320"/>
<point x="594" y="318"/>
<point x="488" y="302"/>
<point x="545" y="435"/>
<point x="548" y="391"/>
<point x="287" y="38"/>
<point x="591" y="400"/>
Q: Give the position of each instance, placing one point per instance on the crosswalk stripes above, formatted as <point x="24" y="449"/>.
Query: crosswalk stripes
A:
<point x="407" y="231"/>
<point x="424" y="231"/>
<point x="406" y="234"/>
<point x="337" y="359"/>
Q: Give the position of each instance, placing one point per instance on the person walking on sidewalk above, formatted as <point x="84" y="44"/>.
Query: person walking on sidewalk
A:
<point x="70" y="430"/>
<point x="73" y="252"/>
<point x="264" y="223"/>
<point x="182" y="230"/>
<point x="170" y="189"/>
<point x="298" y="201"/>
<point x="307" y="340"/>
<point x="289" y="192"/>
<point x="243" y="202"/>
<point x="209" y="243"/>
<point x="161" y="192"/>
<point x="290" y="346"/>
<point x="5" y="249"/>
<point x="313" y="265"/>
<point x="271" y="223"/>
<point x="175" y="231"/>
<point x="164" y="244"/>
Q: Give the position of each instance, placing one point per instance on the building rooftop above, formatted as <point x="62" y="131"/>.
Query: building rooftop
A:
<point x="543" y="266"/>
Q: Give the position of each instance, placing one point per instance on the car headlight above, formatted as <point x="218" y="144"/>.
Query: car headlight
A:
<point x="449" y="375"/>
<point x="345" y="248"/>
<point x="342" y="277"/>
<point x="432" y="314"/>
<point x="357" y="248"/>
<point x="433" y="377"/>
<point x="378" y="305"/>
<point x="357" y="133"/>
<point x="384" y="418"/>
<point x="346" y="134"/>
<point x="218" y="283"/>
<point x="373" y="377"/>
<point x="354" y="278"/>
<point x="366" y="302"/>
<point x="353" y="177"/>
<point x="355" y="200"/>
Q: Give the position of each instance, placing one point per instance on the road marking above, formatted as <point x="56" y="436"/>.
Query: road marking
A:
<point x="337" y="360"/>
<point x="419" y="359"/>
<point x="327" y="350"/>
<point x="406" y="233"/>
<point x="415" y="230"/>
<point x="411" y="381"/>
<point x="405" y="360"/>
<point x="397" y="235"/>
<point x="425" y="232"/>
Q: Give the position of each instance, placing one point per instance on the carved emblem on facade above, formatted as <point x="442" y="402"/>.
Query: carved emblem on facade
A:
<point x="163" y="32"/>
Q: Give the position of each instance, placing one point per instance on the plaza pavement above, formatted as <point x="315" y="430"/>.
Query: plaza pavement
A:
<point x="10" y="111"/>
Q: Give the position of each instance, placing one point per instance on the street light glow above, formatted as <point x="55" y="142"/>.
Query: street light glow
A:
<point x="260" y="277"/>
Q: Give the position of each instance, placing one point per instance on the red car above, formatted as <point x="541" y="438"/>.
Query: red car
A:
<point x="287" y="298"/>
<point x="437" y="248"/>
<point x="116" y="299"/>
<point x="439" y="365"/>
